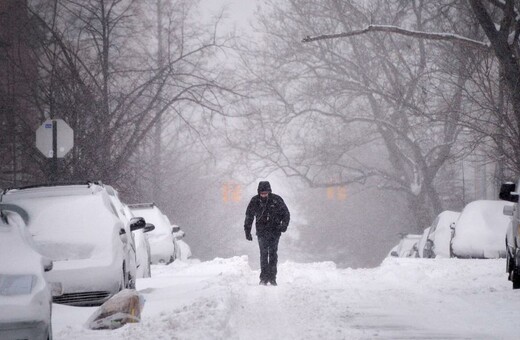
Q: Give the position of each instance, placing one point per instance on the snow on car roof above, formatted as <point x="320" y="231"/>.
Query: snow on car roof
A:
<point x="59" y="190"/>
<point x="77" y="221"/>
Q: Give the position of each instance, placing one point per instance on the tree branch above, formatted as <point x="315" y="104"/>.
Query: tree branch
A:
<point x="398" y="30"/>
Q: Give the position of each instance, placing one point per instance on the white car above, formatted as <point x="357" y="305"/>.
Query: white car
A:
<point x="140" y="241"/>
<point x="162" y="241"/>
<point x="480" y="230"/>
<point x="25" y="296"/>
<point x="143" y="252"/>
<point x="77" y="227"/>
<point x="407" y="247"/>
<point x="439" y="238"/>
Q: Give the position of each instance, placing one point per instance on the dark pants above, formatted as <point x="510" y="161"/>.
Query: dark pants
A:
<point x="268" y="256"/>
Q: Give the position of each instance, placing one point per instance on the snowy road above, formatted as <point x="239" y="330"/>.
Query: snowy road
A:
<point x="401" y="299"/>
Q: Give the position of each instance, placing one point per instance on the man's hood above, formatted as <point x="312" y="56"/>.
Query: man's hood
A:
<point x="264" y="186"/>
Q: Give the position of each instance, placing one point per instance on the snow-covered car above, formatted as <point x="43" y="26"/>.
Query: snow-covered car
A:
<point x="143" y="252"/>
<point x="439" y="237"/>
<point x="77" y="227"/>
<point x="139" y="241"/>
<point x="508" y="193"/>
<point x="182" y="249"/>
<point x="407" y="247"/>
<point x="25" y="296"/>
<point x="480" y="230"/>
<point x="162" y="241"/>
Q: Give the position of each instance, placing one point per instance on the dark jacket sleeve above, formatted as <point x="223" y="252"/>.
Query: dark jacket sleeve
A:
<point x="250" y="216"/>
<point x="286" y="215"/>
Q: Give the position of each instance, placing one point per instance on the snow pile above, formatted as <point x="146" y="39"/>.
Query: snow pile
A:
<point x="481" y="229"/>
<point x="403" y="298"/>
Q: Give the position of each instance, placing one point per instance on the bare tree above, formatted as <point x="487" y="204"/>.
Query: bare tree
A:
<point x="378" y="109"/>
<point x="100" y="72"/>
<point x="500" y="22"/>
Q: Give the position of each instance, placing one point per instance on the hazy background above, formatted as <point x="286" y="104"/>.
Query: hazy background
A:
<point x="191" y="103"/>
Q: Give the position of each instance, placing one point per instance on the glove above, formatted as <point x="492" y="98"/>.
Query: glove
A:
<point x="282" y="228"/>
<point x="249" y="237"/>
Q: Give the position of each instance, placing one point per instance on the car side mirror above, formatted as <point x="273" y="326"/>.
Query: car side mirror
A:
<point x="137" y="223"/>
<point x="47" y="264"/>
<point x="14" y="208"/>
<point x="509" y="210"/>
<point x="507" y="192"/>
<point x="148" y="227"/>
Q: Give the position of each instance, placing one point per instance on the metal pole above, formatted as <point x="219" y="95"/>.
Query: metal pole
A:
<point x="54" y="151"/>
<point x="463" y="186"/>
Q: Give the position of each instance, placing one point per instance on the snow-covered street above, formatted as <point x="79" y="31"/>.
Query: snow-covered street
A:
<point x="401" y="299"/>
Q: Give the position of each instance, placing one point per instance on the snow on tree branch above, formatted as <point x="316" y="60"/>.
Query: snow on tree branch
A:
<point x="402" y="31"/>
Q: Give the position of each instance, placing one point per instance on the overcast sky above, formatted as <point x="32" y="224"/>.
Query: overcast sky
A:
<point x="239" y="12"/>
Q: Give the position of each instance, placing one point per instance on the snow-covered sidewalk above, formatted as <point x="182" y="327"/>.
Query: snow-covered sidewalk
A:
<point x="401" y="299"/>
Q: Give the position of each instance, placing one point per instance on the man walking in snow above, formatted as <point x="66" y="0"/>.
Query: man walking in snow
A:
<point x="272" y="219"/>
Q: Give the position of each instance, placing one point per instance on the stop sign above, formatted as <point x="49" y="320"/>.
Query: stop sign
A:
<point x="64" y="138"/>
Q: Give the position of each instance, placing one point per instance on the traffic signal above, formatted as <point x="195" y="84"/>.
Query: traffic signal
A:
<point x="337" y="193"/>
<point x="231" y="192"/>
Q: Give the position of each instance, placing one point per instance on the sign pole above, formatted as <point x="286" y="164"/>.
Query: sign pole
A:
<point x="54" y="151"/>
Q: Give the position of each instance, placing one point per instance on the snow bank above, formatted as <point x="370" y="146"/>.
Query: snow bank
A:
<point x="401" y="299"/>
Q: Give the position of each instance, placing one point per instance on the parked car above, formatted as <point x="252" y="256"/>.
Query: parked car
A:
<point x="182" y="249"/>
<point x="78" y="228"/>
<point x="508" y="193"/>
<point x="162" y="241"/>
<point x="25" y="296"/>
<point x="141" y="246"/>
<point x="439" y="237"/>
<point x="407" y="247"/>
<point x="480" y="230"/>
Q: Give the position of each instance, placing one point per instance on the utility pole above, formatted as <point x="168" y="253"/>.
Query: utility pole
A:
<point x="157" y="140"/>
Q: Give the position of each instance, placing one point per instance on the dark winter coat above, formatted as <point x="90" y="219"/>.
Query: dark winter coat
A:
<point x="272" y="215"/>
